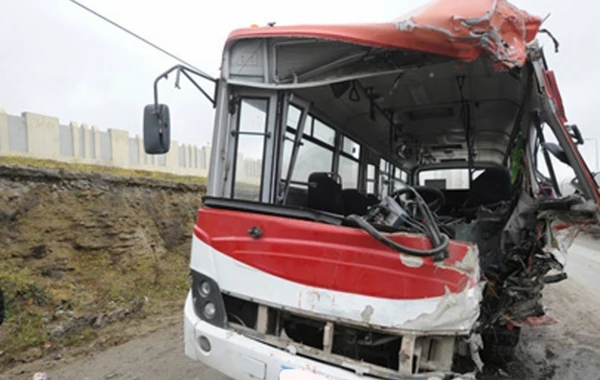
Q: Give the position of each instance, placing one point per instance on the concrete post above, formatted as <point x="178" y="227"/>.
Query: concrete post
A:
<point x="75" y="133"/>
<point x="172" y="157"/>
<point x="206" y="155"/>
<point x="119" y="143"/>
<point x="43" y="136"/>
<point x="141" y="151"/>
<point x="87" y="142"/>
<point x="4" y="146"/>
<point x="188" y="156"/>
<point x="96" y="141"/>
<point x="151" y="159"/>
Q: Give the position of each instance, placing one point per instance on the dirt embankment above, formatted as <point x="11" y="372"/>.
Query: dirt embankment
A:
<point x="84" y="257"/>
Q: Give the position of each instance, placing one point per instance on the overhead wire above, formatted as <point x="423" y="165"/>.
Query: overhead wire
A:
<point x="138" y="37"/>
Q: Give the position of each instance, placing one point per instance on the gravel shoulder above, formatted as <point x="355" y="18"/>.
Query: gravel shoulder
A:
<point x="158" y="355"/>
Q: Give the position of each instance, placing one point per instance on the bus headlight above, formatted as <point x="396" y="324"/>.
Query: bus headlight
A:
<point x="205" y="289"/>
<point x="209" y="310"/>
<point x="208" y="303"/>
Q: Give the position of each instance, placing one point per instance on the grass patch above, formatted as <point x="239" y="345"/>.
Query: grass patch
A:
<point x="26" y="303"/>
<point x="158" y="278"/>
<point x="154" y="286"/>
<point x="101" y="169"/>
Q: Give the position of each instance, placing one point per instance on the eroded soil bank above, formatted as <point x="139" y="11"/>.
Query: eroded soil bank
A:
<point x="86" y="257"/>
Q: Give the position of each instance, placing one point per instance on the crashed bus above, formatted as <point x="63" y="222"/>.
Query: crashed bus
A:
<point x="383" y="199"/>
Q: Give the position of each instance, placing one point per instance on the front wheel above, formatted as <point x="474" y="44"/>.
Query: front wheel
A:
<point x="500" y="344"/>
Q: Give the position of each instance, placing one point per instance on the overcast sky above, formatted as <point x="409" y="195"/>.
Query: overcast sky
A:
<point x="59" y="60"/>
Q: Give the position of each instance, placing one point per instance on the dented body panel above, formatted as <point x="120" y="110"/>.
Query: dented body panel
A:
<point x="338" y="272"/>
<point x="459" y="29"/>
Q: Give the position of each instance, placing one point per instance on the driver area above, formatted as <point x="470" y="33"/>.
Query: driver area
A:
<point x="325" y="193"/>
<point x="457" y="211"/>
<point x="475" y="215"/>
<point x="481" y="215"/>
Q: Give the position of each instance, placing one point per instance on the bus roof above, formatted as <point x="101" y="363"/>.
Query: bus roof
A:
<point x="459" y="29"/>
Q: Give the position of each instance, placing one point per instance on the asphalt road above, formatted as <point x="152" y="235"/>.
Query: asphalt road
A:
<point x="583" y="263"/>
<point x="569" y="350"/>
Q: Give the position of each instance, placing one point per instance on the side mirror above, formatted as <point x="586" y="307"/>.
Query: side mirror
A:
<point x="557" y="152"/>
<point x="575" y="134"/>
<point x="157" y="129"/>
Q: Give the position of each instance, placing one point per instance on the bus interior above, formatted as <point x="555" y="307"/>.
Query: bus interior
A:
<point x="448" y="129"/>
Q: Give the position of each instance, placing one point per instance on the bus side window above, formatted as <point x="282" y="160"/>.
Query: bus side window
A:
<point x="349" y="163"/>
<point x="371" y="179"/>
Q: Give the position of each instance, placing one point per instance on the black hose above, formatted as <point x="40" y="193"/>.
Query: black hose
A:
<point x="398" y="247"/>
<point x="433" y="232"/>
<point x="432" y="228"/>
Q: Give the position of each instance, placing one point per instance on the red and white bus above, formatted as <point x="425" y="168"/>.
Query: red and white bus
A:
<point x="383" y="199"/>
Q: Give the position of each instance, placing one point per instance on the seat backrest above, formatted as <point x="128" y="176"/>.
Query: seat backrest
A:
<point x="325" y="193"/>
<point x="355" y="202"/>
<point x="297" y="197"/>
<point x="372" y="199"/>
<point x="491" y="187"/>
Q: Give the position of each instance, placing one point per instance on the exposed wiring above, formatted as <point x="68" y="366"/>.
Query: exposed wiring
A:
<point x="238" y="319"/>
<point x="138" y="37"/>
<point x="430" y="228"/>
<point x="436" y="251"/>
<point x="416" y="225"/>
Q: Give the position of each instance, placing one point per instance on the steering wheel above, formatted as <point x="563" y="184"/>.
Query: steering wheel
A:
<point x="434" y="197"/>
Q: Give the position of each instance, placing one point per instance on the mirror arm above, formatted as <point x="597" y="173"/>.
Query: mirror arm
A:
<point x="198" y="87"/>
<point x="161" y="76"/>
<point x="184" y="70"/>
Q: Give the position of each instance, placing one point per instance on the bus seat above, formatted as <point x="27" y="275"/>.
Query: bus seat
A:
<point x="355" y="202"/>
<point x="491" y="187"/>
<point x="325" y="192"/>
<point x="297" y="197"/>
<point x="372" y="199"/>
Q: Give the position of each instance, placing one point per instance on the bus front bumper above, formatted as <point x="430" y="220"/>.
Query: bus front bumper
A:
<point x="240" y="357"/>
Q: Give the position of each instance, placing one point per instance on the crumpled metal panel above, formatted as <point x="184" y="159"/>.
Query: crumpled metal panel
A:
<point x="468" y="28"/>
<point x="462" y="29"/>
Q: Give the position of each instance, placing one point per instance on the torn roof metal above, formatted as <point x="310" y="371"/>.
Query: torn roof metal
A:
<point x="463" y="30"/>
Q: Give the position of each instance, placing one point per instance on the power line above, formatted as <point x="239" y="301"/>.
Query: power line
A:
<point x="138" y="37"/>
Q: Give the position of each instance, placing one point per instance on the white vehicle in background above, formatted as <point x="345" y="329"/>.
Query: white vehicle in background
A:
<point x="382" y="200"/>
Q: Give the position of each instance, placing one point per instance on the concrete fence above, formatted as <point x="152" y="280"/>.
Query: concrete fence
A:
<point x="40" y="136"/>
